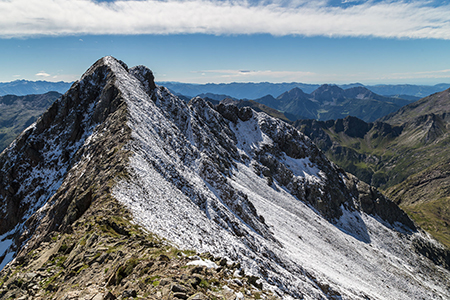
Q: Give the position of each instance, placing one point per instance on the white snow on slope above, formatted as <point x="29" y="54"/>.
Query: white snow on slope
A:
<point x="331" y="254"/>
<point x="309" y="256"/>
<point x="251" y="137"/>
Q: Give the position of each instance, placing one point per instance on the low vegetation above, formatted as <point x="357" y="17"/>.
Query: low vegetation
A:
<point x="109" y="257"/>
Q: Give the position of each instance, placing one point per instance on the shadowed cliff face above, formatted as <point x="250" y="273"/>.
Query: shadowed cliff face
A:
<point x="220" y="179"/>
<point x="44" y="172"/>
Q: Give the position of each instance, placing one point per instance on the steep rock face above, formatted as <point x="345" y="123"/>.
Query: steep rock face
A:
<point x="227" y="180"/>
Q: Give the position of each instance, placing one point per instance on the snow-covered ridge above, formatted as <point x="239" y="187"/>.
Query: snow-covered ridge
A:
<point x="214" y="182"/>
<point x="230" y="181"/>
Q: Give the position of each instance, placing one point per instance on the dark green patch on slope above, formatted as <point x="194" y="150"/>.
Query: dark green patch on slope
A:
<point x="19" y="112"/>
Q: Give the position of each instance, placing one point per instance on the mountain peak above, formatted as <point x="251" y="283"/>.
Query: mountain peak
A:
<point x="296" y="90"/>
<point x="328" y="87"/>
<point x="328" y="93"/>
<point x="360" y="92"/>
<point x="295" y="93"/>
<point x="109" y="64"/>
<point x="221" y="179"/>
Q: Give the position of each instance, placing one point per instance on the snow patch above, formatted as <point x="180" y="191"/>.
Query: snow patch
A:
<point x="203" y="263"/>
<point x="249" y="136"/>
<point x="303" y="167"/>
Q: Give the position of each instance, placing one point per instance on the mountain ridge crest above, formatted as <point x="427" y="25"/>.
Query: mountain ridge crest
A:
<point x="230" y="181"/>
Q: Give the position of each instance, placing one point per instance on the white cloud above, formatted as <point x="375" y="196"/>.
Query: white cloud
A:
<point x="388" y="19"/>
<point x="424" y="74"/>
<point x="227" y="76"/>
<point x="251" y="73"/>
<point x="42" y="74"/>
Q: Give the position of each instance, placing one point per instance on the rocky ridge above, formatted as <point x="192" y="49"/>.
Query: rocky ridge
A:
<point x="225" y="180"/>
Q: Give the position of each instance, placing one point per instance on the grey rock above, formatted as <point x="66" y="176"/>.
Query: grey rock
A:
<point x="180" y="296"/>
<point x="176" y="288"/>
<point x="129" y="293"/>
<point x="198" y="296"/>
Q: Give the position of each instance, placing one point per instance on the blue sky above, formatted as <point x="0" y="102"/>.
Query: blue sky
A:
<point x="201" y="41"/>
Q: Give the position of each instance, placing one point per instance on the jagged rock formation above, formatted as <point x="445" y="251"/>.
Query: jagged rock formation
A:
<point x="220" y="179"/>
<point x="256" y="107"/>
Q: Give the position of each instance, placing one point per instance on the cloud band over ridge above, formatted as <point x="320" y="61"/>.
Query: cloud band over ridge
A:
<point x="386" y="19"/>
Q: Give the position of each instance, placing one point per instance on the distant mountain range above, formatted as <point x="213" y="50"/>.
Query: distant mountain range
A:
<point x="332" y="102"/>
<point x="236" y="90"/>
<point x="253" y="91"/>
<point x="26" y="87"/>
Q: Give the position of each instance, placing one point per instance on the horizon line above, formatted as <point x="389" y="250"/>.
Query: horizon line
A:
<point x="246" y="82"/>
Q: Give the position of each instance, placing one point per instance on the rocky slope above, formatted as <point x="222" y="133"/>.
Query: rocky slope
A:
<point x="118" y="156"/>
<point x="104" y="256"/>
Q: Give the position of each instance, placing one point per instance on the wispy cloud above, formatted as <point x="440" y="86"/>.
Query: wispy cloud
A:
<point x="42" y="74"/>
<point x="253" y="75"/>
<point x="227" y="76"/>
<point x="387" y="19"/>
<point x="424" y="74"/>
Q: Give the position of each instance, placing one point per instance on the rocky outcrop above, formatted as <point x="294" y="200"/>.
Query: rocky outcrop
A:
<point x="352" y="127"/>
<point x="373" y="202"/>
